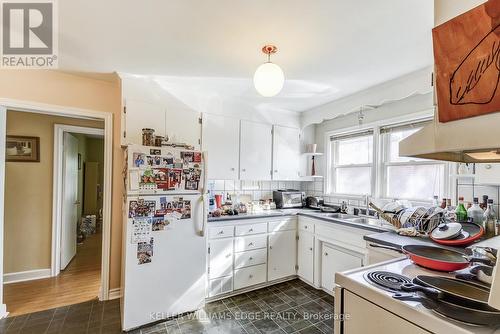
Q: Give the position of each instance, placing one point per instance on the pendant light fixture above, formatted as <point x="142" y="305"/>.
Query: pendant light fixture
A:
<point x="269" y="78"/>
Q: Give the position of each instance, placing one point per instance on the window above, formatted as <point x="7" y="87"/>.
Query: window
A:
<point x="408" y="178"/>
<point x="368" y="163"/>
<point x="352" y="163"/>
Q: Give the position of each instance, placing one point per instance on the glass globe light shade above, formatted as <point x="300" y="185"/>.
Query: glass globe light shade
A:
<point x="268" y="79"/>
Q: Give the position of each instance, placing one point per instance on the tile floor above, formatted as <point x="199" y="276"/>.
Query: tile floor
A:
<point x="290" y="307"/>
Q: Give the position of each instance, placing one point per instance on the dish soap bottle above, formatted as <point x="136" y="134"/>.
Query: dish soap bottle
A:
<point x="460" y="211"/>
<point x="475" y="213"/>
<point x="490" y="220"/>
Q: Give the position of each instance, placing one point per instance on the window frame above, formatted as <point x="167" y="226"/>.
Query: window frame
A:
<point x="379" y="164"/>
<point x="334" y="166"/>
<point x="385" y="163"/>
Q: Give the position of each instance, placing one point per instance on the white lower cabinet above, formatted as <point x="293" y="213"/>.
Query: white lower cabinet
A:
<point x="220" y="258"/>
<point x="249" y="276"/>
<point x="282" y="254"/>
<point x="334" y="260"/>
<point x="305" y="256"/>
<point x="220" y="285"/>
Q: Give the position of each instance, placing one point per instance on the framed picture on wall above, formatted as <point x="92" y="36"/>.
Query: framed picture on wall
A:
<point x="22" y="149"/>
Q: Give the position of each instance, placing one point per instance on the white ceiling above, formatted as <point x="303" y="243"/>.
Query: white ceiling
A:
<point x="327" y="48"/>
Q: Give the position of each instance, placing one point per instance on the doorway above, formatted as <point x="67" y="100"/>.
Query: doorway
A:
<point x="90" y="254"/>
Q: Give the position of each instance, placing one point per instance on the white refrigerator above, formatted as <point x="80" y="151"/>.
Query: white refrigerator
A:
<point x="164" y="246"/>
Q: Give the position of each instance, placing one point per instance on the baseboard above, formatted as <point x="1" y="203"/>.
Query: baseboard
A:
<point x="114" y="293"/>
<point x="29" y="275"/>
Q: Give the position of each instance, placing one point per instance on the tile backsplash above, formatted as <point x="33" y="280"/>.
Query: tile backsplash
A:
<point x="257" y="189"/>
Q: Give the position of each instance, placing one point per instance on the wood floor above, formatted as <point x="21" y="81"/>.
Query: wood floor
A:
<point x="79" y="282"/>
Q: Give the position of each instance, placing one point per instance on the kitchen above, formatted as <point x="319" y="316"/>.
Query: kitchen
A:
<point x="281" y="205"/>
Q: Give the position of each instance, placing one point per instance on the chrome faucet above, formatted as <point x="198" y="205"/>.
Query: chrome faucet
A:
<point x="343" y="207"/>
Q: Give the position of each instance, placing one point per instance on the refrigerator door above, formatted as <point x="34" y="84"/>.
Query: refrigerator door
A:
<point x="174" y="282"/>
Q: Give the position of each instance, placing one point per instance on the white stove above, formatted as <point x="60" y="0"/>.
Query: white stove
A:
<point x="366" y="306"/>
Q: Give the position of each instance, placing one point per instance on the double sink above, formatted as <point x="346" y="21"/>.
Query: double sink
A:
<point x="357" y="219"/>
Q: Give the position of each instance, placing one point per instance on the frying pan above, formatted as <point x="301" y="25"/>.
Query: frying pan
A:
<point x="435" y="258"/>
<point x="485" y="316"/>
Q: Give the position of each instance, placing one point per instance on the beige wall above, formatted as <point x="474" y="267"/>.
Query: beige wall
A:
<point x="28" y="193"/>
<point x="101" y="93"/>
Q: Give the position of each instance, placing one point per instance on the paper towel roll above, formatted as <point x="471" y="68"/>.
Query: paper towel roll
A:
<point x="494" y="300"/>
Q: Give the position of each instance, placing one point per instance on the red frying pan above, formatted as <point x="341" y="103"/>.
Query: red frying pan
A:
<point x="435" y="258"/>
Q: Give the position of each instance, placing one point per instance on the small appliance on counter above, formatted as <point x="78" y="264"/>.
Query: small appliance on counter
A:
<point x="314" y="202"/>
<point x="289" y="198"/>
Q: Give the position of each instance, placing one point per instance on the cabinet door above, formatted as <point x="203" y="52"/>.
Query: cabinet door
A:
<point x="220" y="258"/>
<point x="334" y="260"/>
<point x="286" y="153"/>
<point x="281" y="254"/>
<point x="255" y="151"/>
<point x="221" y="138"/>
<point x="305" y="256"/>
<point x="142" y="114"/>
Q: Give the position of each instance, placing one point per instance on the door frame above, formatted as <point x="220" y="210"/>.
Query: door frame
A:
<point x="57" y="189"/>
<point x="57" y="110"/>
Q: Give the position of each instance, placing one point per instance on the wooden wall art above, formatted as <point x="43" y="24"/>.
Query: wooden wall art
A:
<point x="467" y="63"/>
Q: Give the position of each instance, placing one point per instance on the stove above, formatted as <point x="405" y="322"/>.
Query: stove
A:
<point x="387" y="280"/>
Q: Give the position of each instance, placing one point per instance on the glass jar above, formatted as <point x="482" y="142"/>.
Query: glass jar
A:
<point x="159" y="140"/>
<point x="148" y="136"/>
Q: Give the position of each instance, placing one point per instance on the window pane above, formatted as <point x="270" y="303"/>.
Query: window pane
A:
<point x="394" y="139"/>
<point x="357" y="150"/>
<point x="353" y="180"/>
<point x="414" y="182"/>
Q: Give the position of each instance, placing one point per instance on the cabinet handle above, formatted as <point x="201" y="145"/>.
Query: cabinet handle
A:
<point x="250" y="230"/>
<point x="250" y="276"/>
<point x="326" y="254"/>
<point x="243" y="170"/>
<point x="221" y="232"/>
<point x="310" y="248"/>
<point x="305" y="227"/>
<point x="270" y="247"/>
<point x="250" y="258"/>
<point x="275" y="170"/>
<point x="232" y="169"/>
<point x="250" y="244"/>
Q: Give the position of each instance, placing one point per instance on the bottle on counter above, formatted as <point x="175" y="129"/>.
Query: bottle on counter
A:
<point x="490" y="218"/>
<point x="475" y="213"/>
<point x="460" y="211"/>
<point x="484" y="204"/>
<point x="443" y="204"/>
<point x="435" y="201"/>
<point x="450" y="210"/>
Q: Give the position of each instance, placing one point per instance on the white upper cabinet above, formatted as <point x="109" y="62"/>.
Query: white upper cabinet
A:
<point x="221" y="139"/>
<point x="255" y="151"/>
<point x="286" y="153"/>
<point x="488" y="173"/>
<point x="140" y="114"/>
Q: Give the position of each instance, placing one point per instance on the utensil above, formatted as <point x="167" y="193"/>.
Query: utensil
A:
<point x="474" y="230"/>
<point x="484" y="316"/>
<point x="435" y="258"/>
<point x="446" y="231"/>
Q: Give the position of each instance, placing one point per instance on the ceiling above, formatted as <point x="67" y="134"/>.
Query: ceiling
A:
<point x="327" y="48"/>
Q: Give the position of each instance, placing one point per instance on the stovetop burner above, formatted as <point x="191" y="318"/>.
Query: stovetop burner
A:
<point x="387" y="280"/>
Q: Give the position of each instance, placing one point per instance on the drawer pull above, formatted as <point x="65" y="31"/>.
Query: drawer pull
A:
<point x="250" y="276"/>
<point x="250" y="258"/>
<point x="326" y="254"/>
<point x="250" y="244"/>
<point x="310" y="248"/>
<point x="270" y="247"/>
<point x="221" y="232"/>
<point x="305" y="227"/>
<point x="250" y="230"/>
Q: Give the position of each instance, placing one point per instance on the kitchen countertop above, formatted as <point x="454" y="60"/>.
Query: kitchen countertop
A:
<point x="301" y="212"/>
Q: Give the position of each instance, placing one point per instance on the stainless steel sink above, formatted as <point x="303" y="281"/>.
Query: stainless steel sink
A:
<point x="370" y="221"/>
<point x="338" y="215"/>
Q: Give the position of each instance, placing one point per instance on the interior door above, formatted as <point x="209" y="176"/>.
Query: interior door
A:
<point x="70" y="199"/>
<point x="286" y="153"/>
<point x="255" y="151"/>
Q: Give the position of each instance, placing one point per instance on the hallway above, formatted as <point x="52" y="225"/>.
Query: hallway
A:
<point x="80" y="282"/>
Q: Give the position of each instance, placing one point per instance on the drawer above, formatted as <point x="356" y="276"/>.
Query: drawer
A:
<point x="282" y="225"/>
<point x="252" y="242"/>
<point x="215" y="232"/>
<point x="249" y="276"/>
<point x="250" y="258"/>
<point x="306" y="225"/>
<point x="249" y="229"/>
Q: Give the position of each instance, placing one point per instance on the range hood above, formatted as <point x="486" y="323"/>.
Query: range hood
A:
<point x="471" y="140"/>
